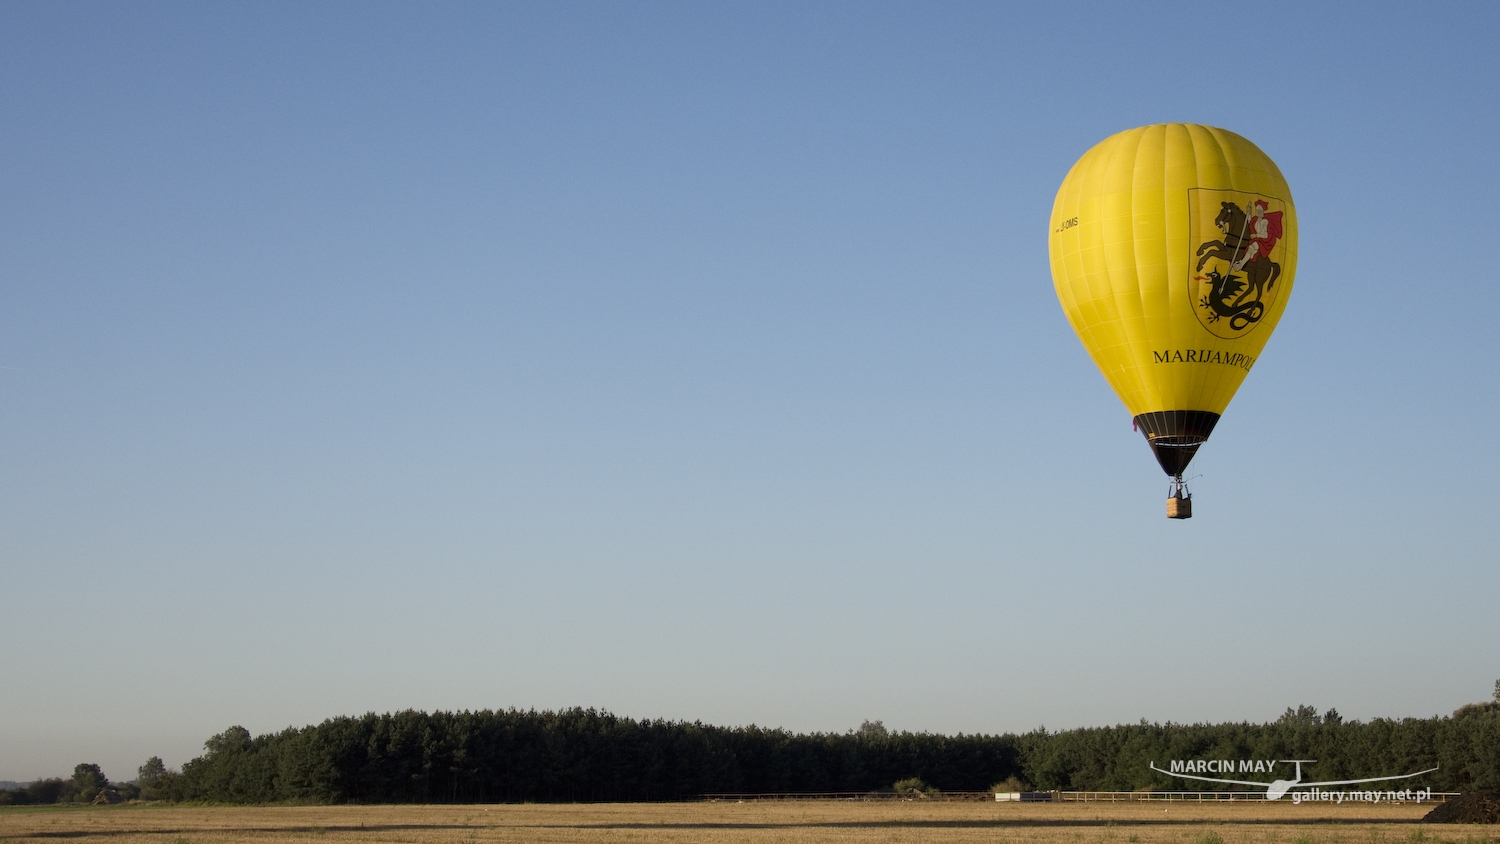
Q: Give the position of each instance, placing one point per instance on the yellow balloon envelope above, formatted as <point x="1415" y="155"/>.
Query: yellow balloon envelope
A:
<point x="1173" y="250"/>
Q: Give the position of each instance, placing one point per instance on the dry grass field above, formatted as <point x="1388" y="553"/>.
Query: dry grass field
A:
<point x="751" y="823"/>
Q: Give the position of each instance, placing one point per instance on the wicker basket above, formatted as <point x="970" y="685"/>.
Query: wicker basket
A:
<point x="1179" y="508"/>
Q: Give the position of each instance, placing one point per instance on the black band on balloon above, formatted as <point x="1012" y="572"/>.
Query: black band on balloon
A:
<point x="1175" y="435"/>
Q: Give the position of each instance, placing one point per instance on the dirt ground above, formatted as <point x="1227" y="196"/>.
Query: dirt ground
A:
<point x="750" y="823"/>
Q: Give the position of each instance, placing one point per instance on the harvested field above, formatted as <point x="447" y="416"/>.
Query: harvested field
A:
<point x="751" y="823"/>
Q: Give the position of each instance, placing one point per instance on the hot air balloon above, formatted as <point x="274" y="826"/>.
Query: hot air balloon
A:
<point x="1173" y="249"/>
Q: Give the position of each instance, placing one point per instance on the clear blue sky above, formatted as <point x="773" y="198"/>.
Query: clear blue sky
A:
<point x="702" y="361"/>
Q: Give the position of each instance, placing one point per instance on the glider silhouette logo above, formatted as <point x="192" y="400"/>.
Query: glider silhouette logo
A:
<point x="1236" y="239"/>
<point x="1275" y="789"/>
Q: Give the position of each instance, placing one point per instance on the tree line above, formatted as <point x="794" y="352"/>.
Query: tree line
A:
<point x="86" y="784"/>
<point x="588" y="755"/>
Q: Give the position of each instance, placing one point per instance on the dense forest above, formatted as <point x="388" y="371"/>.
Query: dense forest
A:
<point x="587" y="755"/>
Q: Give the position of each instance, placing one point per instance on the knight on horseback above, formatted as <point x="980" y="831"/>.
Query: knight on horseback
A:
<point x="1263" y="230"/>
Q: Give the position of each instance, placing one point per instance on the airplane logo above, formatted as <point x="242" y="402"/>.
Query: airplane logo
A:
<point x="1277" y="788"/>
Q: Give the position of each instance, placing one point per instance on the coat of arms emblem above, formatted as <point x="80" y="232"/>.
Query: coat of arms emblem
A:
<point x="1235" y="237"/>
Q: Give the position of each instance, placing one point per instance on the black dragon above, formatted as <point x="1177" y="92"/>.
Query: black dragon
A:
<point x="1224" y="288"/>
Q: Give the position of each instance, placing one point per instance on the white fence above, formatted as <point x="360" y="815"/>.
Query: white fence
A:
<point x="1047" y="796"/>
<point x="1178" y="796"/>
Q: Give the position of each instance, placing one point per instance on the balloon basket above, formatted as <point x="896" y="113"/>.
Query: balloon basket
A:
<point x="1179" y="508"/>
<point x="1179" y="501"/>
